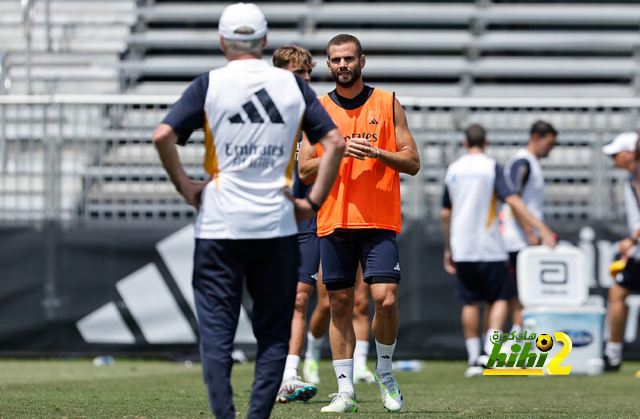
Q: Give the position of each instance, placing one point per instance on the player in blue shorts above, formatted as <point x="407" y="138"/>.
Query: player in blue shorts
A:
<point x="474" y="250"/>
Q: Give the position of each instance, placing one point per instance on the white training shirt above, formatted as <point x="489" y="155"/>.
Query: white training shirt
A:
<point x="633" y="213"/>
<point x="252" y="114"/>
<point x="523" y="174"/>
<point x="473" y="185"/>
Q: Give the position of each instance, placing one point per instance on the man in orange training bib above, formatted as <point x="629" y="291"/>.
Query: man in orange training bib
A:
<point x="359" y="220"/>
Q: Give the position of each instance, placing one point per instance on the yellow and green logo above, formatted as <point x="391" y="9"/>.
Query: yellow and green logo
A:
<point x="522" y="361"/>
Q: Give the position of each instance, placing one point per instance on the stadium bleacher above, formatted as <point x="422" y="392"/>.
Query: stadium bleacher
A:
<point x="478" y="54"/>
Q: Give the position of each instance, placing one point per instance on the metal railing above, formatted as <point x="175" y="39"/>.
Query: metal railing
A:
<point x="79" y="158"/>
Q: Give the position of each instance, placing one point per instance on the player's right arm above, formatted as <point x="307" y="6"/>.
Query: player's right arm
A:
<point x="445" y="222"/>
<point x="518" y="176"/>
<point x="308" y="162"/>
<point x="319" y="128"/>
<point x="185" y="116"/>
<point x="508" y="196"/>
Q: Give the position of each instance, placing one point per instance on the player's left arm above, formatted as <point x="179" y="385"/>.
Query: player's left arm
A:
<point x="407" y="158"/>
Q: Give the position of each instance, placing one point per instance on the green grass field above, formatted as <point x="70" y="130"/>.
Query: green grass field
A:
<point x="156" y="389"/>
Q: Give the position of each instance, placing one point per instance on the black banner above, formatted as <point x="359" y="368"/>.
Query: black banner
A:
<point x="125" y="290"/>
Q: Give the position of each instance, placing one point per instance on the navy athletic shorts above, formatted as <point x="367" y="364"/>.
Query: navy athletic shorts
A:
<point x="631" y="276"/>
<point x="309" y="244"/>
<point x="513" y="270"/>
<point x="376" y="250"/>
<point x="483" y="281"/>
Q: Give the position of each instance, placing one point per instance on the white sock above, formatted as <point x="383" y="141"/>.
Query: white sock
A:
<point x="488" y="345"/>
<point x="473" y="349"/>
<point x="360" y="354"/>
<point x="344" y="375"/>
<point x="291" y="367"/>
<point x="613" y="351"/>
<point x="517" y="328"/>
<point x="314" y="345"/>
<point x="385" y="356"/>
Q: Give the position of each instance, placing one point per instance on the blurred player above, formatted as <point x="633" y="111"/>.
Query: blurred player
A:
<point x="246" y="227"/>
<point x="524" y="176"/>
<point x="473" y="247"/>
<point x="622" y="150"/>
<point x="360" y="220"/>
<point x="300" y="62"/>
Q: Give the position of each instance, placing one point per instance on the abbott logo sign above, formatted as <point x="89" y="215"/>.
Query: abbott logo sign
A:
<point x="554" y="272"/>
<point x="552" y="276"/>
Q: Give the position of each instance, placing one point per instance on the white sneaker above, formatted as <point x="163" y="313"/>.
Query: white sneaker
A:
<point x="341" y="403"/>
<point x="310" y="371"/>
<point x="390" y="392"/>
<point x="295" y="390"/>
<point x="473" y="371"/>
<point x="364" y="376"/>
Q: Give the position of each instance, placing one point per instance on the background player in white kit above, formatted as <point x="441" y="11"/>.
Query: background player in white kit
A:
<point x="473" y="247"/>
<point x="524" y="176"/>
<point x="622" y="150"/>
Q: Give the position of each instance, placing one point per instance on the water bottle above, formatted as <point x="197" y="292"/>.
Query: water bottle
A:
<point x="103" y="360"/>
<point x="412" y="365"/>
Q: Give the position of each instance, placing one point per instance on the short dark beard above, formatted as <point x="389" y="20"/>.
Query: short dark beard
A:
<point x="347" y="84"/>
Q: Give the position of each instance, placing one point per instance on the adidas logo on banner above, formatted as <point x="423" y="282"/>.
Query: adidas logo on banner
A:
<point x="373" y="122"/>
<point x="253" y="113"/>
<point x="151" y="304"/>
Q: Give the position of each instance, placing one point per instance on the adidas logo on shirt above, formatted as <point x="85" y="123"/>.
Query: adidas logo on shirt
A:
<point x="254" y="116"/>
<point x="397" y="267"/>
<point x="373" y="122"/>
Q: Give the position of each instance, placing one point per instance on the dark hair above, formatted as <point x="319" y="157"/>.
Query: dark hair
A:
<point x="476" y="136"/>
<point x="293" y="54"/>
<point x="344" y="38"/>
<point x="542" y="129"/>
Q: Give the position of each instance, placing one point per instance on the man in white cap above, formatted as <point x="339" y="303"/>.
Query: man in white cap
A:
<point x="622" y="150"/>
<point x="251" y="114"/>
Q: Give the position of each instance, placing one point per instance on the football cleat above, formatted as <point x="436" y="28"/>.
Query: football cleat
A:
<point x="341" y="403"/>
<point x="390" y="392"/>
<point x="611" y="365"/>
<point x="310" y="371"/>
<point x="295" y="390"/>
<point x="363" y="376"/>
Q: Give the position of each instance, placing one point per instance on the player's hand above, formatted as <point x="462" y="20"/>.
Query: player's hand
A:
<point x="549" y="238"/>
<point x="449" y="264"/>
<point x="625" y="246"/>
<point x="359" y="148"/>
<point x="533" y="240"/>
<point x="192" y="192"/>
<point x="302" y="208"/>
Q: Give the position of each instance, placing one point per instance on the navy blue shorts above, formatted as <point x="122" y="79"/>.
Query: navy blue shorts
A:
<point x="631" y="276"/>
<point x="376" y="250"/>
<point x="513" y="271"/>
<point x="483" y="281"/>
<point x="309" y="244"/>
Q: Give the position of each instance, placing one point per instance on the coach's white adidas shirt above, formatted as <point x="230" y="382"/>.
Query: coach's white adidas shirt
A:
<point x="524" y="176"/>
<point x="473" y="185"/>
<point x="252" y="114"/>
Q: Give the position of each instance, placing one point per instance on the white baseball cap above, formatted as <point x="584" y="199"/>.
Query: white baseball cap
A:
<point x="624" y="142"/>
<point x="242" y="15"/>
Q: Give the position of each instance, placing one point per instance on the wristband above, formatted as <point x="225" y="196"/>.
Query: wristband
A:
<point x="314" y="206"/>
